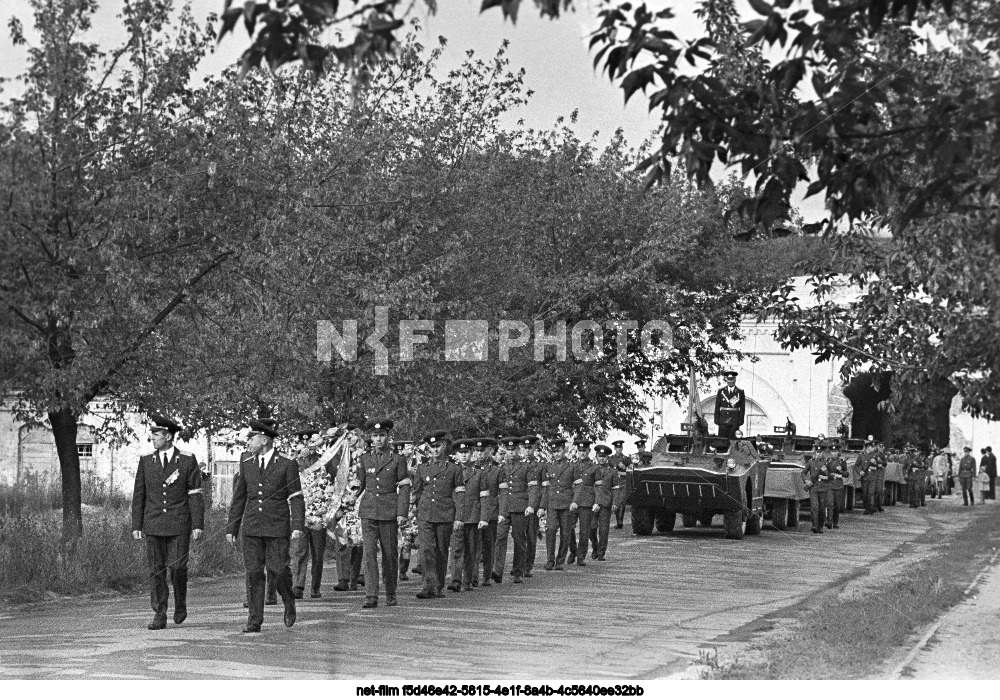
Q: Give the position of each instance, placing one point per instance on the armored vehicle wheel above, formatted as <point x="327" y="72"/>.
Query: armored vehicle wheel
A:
<point x="706" y="519"/>
<point x="665" y="520"/>
<point x="779" y="513"/>
<point x="689" y="520"/>
<point x="793" y="513"/>
<point x="734" y="523"/>
<point x="755" y="522"/>
<point x="642" y="521"/>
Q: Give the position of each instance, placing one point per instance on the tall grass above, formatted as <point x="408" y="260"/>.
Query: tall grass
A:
<point x="106" y="559"/>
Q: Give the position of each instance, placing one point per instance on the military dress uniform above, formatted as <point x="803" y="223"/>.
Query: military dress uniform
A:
<point x="584" y="478"/>
<point x="556" y="499"/>
<point x="536" y="473"/>
<point x="730" y="409"/>
<point x="620" y="462"/>
<point x="817" y="480"/>
<point x="465" y="552"/>
<point x="865" y="466"/>
<point x="385" y="496"/>
<point x="167" y="504"/>
<point x="518" y="490"/>
<point x="267" y="507"/>
<point x="489" y="512"/>
<point x="437" y="483"/>
<point x="881" y="463"/>
<point x="838" y="471"/>
<point x="607" y="496"/>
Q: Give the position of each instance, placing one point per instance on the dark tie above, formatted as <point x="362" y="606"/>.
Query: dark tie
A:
<point x="262" y="463"/>
<point x="165" y="461"/>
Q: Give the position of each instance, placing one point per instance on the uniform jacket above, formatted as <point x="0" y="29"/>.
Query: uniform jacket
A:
<point x="838" y="470"/>
<point x="437" y="483"/>
<point x="608" y="487"/>
<point x="489" y="490"/>
<point x="268" y="504"/>
<point x="967" y="467"/>
<point x="865" y="466"/>
<point x="519" y="487"/>
<point x="385" y="486"/>
<point x="730" y="407"/>
<point x="536" y="473"/>
<point x="619" y="462"/>
<point x="165" y="509"/>
<point x="816" y="475"/>
<point x="558" y="485"/>
<point x="468" y="504"/>
<point x="584" y="476"/>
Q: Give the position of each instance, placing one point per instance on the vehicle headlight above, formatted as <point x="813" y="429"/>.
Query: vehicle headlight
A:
<point x="731" y="463"/>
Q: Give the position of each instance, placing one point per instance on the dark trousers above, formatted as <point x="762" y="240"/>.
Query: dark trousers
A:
<point x="434" y="541"/>
<point x="271" y="553"/>
<point x="349" y="561"/>
<point x="487" y="541"/>
<point x="879" y="489"/>
<point x="620" y="516"/>
<point x="586" y="516"/>
<point x="599" y="530"/>
<point x="465" y="553"/>
<point x="992" y="495"/>
<point x="529" y="557"/>
<point x="380" y="535"/>
<point x="304" y="550"/>
<point x="561" y="522"/>
<point x="868" y="491"/>
<point x="517" y="525"/>
<point x="967" y="496"/>
<point x="918" y="491"/>
<point x="833" y="506"/>
<point x="167" y="554"/>
<point x="728" y="431"/>
<point x="817" y="506"/>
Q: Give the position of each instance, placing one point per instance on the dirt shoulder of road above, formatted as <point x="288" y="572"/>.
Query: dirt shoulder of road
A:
<point x="862" y="626"/>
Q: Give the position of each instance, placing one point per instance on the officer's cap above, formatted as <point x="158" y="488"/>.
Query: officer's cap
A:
<point x="463" y="445"/>
<point x="306" y="432"/>
<point x="967" y="448"/>
<point x="509" y="442"/>
<point x="602" y="450"/>
<point x="264" y="426"/>
<point x="730" y="373"/>
<point x="164" y="423"/>
<point x="583" y="442"/>
<point x="435" y="438"/>
<point x="379" y="426"/>
<point x="557" y="441"/>
<point x="400" y="445"/>
<point x="481" y="443"/>
<point x="617" y="443"/>
<point x="640" y="443"/>
<point x="529" y="440"/>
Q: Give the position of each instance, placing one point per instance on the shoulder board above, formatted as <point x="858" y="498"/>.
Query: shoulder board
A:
<point x="149" y="454"/>
<point x="182" y="453"/>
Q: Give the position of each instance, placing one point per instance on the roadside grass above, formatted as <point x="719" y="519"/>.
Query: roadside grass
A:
<point x="107" y="560"/>
<point x="847" y="639"/>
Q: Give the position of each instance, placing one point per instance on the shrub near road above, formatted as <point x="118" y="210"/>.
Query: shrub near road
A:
<point x="107" y="559"/>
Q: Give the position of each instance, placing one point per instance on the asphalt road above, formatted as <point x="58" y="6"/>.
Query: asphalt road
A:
<point x="644" y="613"/>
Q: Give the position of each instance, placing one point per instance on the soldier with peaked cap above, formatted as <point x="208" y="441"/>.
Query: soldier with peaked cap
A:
<point x="816" y="476"/>
<point x="557" y="494"/>
<point x="169" y="511"/>
<point x="730" y="406"/>
<point x="536" y="472"/>
<point x="383" y="507"/>
<point x="489" y="503"/>
<point x="437" y="486"/>
<point x="465" y="551"/>
<point x="267" y="508"/>
<point x="517" y="494"/>
<point x="620" y="462"/>
<point x="607" y="497"/>
<point x="584" y="476"/>
<point x="838" y="472"/>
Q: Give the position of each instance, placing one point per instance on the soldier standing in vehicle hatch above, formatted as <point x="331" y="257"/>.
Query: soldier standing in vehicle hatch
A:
<point x="730" y="406"/>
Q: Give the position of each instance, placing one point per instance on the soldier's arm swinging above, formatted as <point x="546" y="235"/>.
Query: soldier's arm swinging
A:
<point x="138" y="501"/>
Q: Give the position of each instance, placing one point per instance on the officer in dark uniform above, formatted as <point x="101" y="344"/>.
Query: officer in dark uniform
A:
<point x="607" y="496"/>
<point x="436" y="487"/>
<point x="465" y="552"/>
<point x="816" y="476"/>
<point x="866" y="468"/>
<point x="619" y="461"/>
<point x="267" y="506"/>
<point x="557" y="494"/>
<point x="489" y="503"/>
<point x="584" y="476"/>
<point x="838" y="472"/>
<point x="384" y="505"/>
<point x="169" y="510"/>
<point x="730" y="407"/>
<point x="516" y="497"/>
<point x="536" y="472"/>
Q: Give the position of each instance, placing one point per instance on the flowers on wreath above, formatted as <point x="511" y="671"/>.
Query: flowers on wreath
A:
<point x="318" y="491"/>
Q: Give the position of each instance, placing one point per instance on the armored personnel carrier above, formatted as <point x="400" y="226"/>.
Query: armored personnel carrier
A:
<point x="698" y="477"/>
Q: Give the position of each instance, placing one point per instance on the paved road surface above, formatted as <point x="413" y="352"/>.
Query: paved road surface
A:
<point x="643" y="613"/>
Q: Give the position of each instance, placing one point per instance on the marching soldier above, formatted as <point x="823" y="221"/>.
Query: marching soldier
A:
<point x="607" y="497"/>
<point x="620" y="462"/>
<point x="865" y="466"/>
<point x="556" y="498"/>
<point x="311" y="547"/>
<point x="408" y="530"/>
<point x="489" y="504"/>
<point x="881" y="463"/>
<point x="817" y="480"/>
<point x="730" y="406"/>
<point x="350" y="554"/>
<point x="517" y="493"/>
<point x="384" y="505"/>
<point x="465" y="549"/>
<point x="536" y="471"/>
<point x="838" y="472"/>
<point x="169" y="510"/>
<point x="438" y="484"/>
<point x="584" y="476"/>
<point x="267" y="520"/>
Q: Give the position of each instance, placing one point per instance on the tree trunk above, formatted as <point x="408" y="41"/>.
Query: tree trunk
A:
<point x="64" y="432"/>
